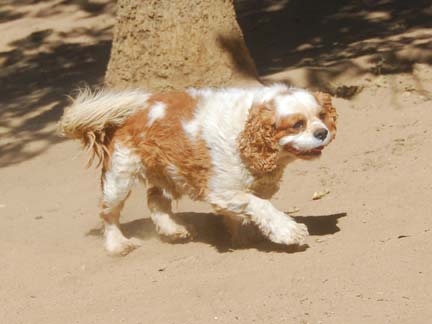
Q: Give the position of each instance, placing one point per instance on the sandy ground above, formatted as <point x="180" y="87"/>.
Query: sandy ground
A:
<point x="369" y="258"/>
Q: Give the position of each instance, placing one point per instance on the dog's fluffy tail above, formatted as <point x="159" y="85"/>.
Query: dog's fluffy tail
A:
<point x="93" y="115"/>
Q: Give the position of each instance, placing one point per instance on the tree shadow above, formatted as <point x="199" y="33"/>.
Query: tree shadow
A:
<point x="8" y="15"/>
<point x="16" y="9"/>
<point x="331" y="35"/>
<point x="37" y="73"/>
<point x="45" y="80"/>
<point x="210" y="230"/>
<point x="89" y="6"/>
<point x="241" y="60"/>
<point x="324" y="37"/>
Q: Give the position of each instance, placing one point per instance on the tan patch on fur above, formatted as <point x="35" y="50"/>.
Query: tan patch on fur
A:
<point x="325" y="101"/>
<point x="268" y="184"/>
<point x="165" y="148"/>
<point x="257" y="145"/>
<point x="285" y="126"/>
<point x="95" y="143"/>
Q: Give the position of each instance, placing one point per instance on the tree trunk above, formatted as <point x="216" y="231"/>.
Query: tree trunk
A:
<point x="174" y="44"/>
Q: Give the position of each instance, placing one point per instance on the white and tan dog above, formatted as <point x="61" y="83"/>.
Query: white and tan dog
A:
<point x="224" y="146"/>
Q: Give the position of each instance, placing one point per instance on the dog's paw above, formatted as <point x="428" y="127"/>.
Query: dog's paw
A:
<point x="179" y="233"/>
<point x="123" y="246"/>
<point x="291" y="233"/>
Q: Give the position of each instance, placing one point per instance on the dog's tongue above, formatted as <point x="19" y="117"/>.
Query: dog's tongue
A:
<point x="317" y="149"/>
<point x="315" y="152"/>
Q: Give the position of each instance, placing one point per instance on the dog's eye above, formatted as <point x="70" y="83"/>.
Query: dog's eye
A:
<point x="299" y="124"/>
<point x="322" y="115"/>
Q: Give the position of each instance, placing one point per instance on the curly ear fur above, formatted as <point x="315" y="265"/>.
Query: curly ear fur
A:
<point x="258" y="148"/>
<point x="324" y="99"/>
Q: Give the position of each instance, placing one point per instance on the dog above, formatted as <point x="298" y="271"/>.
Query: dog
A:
<point x="227" y="147"/>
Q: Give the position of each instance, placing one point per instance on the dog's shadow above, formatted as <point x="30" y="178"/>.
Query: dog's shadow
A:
<point x="321" y="225"/>
<point x="211" y="230"/>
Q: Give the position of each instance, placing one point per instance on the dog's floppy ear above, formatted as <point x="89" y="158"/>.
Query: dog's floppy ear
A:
<point x="258" y="147"/>
<point x="324" y="99"/>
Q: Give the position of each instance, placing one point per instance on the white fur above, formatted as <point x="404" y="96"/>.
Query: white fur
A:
<point x="94" y="111"/>
<point x="276" y="225"/>
<point x="222" y="116"/>
<point x="117" y="183"/>
<point x="116" y="243"/>
<point x="299" y="101"/>
<point x="121" y="176"/>
<point x="191" y="128"/>
<point x="219" y="118"/>
<point x="157" y="111"/>
<point x="166" y="226"/>
<point x="306" y="140"/>
<point x="162" y="216"/>
<point x="302" y="102"/>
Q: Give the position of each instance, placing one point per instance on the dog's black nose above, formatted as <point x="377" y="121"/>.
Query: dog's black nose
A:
<point x="321" y="133"/>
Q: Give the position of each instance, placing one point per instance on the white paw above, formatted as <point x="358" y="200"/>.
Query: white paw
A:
<point x="117" y="244"/>
<point x="177" y="232"/>
<point x="122" y="247"/>
<point x="289" y="233"/>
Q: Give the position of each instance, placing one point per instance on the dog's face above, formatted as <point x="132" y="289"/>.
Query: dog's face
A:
<point x="292" y="122"/>
<point x="305" y="123"/>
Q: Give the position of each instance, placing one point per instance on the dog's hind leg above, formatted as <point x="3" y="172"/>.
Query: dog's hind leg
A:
<point x="117" y="181"/>
<point x="167" y="225"/>
<point x="243" y="232"/>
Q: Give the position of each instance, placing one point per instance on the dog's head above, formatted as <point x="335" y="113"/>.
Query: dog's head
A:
<point x="293" y="122"/>
<point x="304" y="123"/>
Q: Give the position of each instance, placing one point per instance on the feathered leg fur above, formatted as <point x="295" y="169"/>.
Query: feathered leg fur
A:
<point x="117" y="181"/>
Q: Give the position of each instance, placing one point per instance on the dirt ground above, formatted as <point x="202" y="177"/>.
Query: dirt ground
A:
<point x="369" y="256"/>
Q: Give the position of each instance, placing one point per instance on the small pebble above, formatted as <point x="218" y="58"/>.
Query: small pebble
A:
<point x="293" y="210"/>
<point x="319" y="194"/>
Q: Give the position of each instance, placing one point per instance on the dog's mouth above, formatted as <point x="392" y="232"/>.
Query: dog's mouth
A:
<point x="309" y="154"/>
<point x="314" y="152"/>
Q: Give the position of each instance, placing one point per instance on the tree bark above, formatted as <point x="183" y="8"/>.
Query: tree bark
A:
<point x="174" y="44"/>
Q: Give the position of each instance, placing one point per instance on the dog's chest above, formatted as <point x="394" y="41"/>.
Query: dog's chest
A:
<point x="267" y="185"/>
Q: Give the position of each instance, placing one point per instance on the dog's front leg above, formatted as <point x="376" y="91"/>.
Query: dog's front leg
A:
<point x="274" y="224"/>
